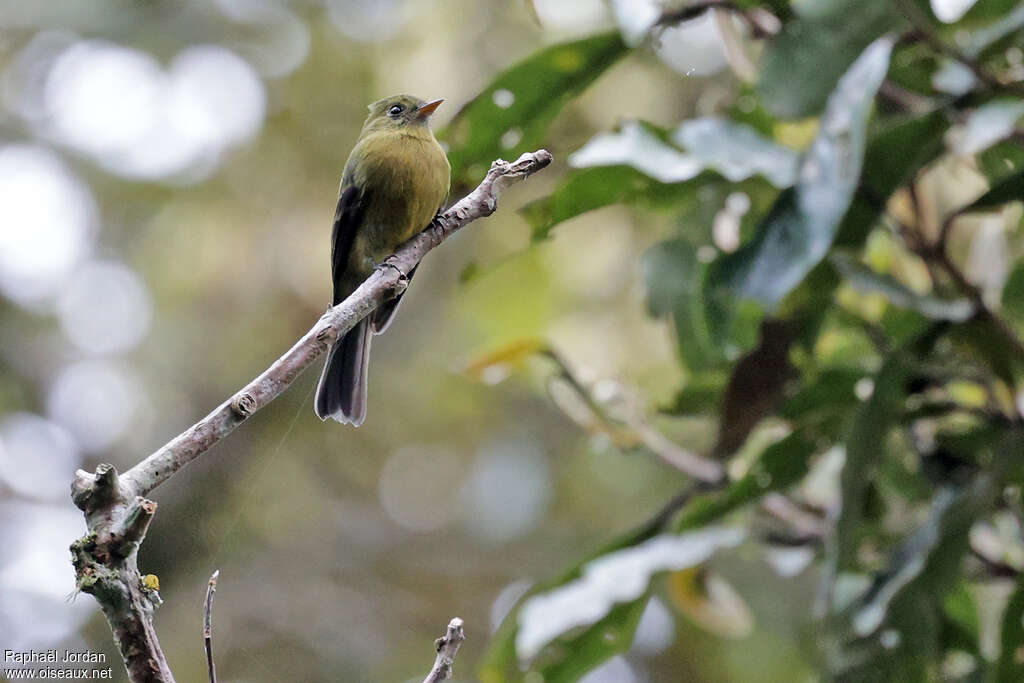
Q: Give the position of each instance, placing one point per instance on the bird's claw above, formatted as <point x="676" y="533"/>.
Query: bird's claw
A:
<point x="389" y="262"/>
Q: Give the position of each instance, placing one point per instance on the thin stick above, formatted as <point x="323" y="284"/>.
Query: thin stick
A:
<point x="697" y="466"/>
<point x="211" y="588"/>
<point x="762" y="23"/>
<point x="447" y="647"/>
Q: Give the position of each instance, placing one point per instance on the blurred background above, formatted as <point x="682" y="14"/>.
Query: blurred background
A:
<point x="168" y="175"/>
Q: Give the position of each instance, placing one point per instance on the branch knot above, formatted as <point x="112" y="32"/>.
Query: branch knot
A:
<point x="243" y="404"/>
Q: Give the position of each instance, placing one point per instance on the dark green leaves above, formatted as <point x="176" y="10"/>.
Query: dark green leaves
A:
<point x="674" y="279"/>
<point x="780" y="466"/>
<point x="800" y="228"/>
<point x="594" y="188"/>
<point x="1008" y="189"/>
<point x="511" y="115"/>
<point x="803" y="62"/>
<point x="620" y="577"/>
<point x="1011" y="663"/>
<point x="865" y="448"/>
<point x="562" y="629"/>
<point x="736" y="151"/>
<point x="894" y="626"/>
<point x="898" y="294"/>
<point x="638" y="165"/>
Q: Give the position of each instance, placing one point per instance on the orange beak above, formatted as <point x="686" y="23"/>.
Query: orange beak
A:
<point x="425" y="110"/>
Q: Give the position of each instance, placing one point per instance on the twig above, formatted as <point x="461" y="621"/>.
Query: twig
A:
<point x="907" y="100"/>
<point x="686" y="461"/>
<point x="761" y="22"/>
<point x="938" y="254"/>
<point x="211" y="588"/>
<point x="447" y="647"/>
<point x="924" y="31"/>
<point x="984" y="311"/>
<point x="807" y="524"/>
<point x="117" y="515"/>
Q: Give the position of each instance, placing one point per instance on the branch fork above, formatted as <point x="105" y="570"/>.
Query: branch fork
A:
<point x="116" y="510"/>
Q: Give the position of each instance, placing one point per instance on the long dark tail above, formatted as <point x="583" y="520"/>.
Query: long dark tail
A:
<point x="341" y="394"/>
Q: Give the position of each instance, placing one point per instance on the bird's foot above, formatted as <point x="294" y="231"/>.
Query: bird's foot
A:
<point x="389" y="262"/>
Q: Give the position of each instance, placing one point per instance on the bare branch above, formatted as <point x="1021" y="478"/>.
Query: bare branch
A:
<point x="636" y="426"/>
<point x="116" y="512"/>
<point x="211" y="588"/>
<point x="383" y="285"/>
<point x="447" y="647"/>
<point x="106" y="568"/>
<point x="761" y="22"/>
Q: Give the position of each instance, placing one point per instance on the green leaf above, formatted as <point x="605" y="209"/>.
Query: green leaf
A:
<point x="637" y="145"/>
<point x="594" y="188"/>
<point x="825" y="403"/>
<point x="985" y="126"/>
<point x="1001" y="160"/>
<point x="736" y="151"/>
<point x="781" y="465"/>
<point x="699" y="396"/>
<point x="1013" y="294"/>
<point x="637" y="166"/>
<point x="895" y="625"/>
<point x="863" y="279"/>
<point x="864" y="450"/>
<point x="1006" y="23"/>
<point x="617" y="578"/>
<point x="512" y="114"/>
<point x="803" y="62"/>
<point x="896" y="150"/>
<point x="961" y="627"/>
<point x="956" y="78"/>
<point x="674" y="280"/>
<point x="1011" y="663"/>
<point x="600" y="642"/>
<point x="1008" y="189"/>
<point x="799" y="230"/>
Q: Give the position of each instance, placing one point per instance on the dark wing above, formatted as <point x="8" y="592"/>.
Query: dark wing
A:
<point x="348" y="217"/>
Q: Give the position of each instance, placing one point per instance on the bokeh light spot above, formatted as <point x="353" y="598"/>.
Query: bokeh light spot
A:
<point x="37" y="456"/>
<point x="507" y="493"/>
<point x="47" y="221"/>
<point x="419" y="488"/>
<point x="137" y="120"/>
<point x="105" y="308"/>
<point x="96" y="401"/>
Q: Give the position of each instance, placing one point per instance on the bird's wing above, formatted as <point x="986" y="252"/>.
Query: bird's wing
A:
<point x="348" y="217"/>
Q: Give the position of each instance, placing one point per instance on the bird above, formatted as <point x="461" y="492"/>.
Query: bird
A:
<point x="396" y="180"/>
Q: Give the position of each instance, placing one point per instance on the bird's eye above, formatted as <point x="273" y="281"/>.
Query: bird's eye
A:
<point x="395" y="110"/>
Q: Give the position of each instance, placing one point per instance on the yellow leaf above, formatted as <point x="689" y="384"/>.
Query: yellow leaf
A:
<point x="493" y="366"/>
<point x="710" y="602"/>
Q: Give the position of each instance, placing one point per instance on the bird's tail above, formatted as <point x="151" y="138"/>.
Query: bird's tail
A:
<point x="341" y="394"/>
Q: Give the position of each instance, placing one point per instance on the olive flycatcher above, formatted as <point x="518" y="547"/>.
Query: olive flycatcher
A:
<point x="395" y="182"/>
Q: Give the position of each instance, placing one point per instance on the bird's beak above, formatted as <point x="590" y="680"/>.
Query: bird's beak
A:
<point x="425" y="110"/>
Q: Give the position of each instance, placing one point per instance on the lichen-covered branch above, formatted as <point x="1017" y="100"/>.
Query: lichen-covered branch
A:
<point x="447" y="647"/>
<point x="117" y="514"/>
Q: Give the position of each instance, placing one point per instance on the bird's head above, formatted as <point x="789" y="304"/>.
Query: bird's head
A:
<point x="399" y="111"/>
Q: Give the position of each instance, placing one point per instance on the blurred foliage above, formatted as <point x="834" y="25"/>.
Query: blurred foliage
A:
<point x="813" y="275"/>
